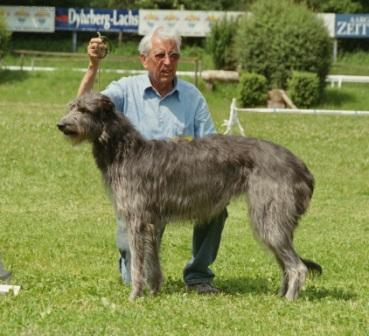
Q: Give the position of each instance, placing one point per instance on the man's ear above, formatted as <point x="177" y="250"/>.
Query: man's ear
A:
<point x="143" y="60"/>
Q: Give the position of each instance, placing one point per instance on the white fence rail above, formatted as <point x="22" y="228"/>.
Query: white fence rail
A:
<point x="339" y="79"/>
<point x="208" y="76"/>
<point x="233" y="114"/>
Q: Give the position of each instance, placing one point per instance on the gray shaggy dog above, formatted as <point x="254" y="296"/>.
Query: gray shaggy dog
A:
<point x="152" y="182"/>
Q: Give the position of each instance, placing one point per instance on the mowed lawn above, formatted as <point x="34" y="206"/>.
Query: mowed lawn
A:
<point x="57" y="230"/>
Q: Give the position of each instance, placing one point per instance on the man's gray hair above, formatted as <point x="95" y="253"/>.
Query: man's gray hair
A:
<point x="163" y="33"/>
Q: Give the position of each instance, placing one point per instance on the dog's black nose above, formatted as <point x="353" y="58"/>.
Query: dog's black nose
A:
<point x="61" y="126"/>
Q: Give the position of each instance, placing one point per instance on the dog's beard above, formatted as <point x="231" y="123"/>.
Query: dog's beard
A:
<point x="77" y="137"/>
<point x="74" y="140"/>
<point x="74" y="137"/>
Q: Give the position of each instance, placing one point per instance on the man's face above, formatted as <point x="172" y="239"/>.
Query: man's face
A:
<point x="161" y="62"/>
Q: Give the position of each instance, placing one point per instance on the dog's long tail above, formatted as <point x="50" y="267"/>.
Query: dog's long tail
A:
<point x="313" y="267"/>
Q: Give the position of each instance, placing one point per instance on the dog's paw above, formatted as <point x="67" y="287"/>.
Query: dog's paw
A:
<point x="134" y="295"/>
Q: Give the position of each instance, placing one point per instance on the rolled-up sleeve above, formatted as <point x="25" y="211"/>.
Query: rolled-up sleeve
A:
<point x="115" y="92"/>
<point x="204" y="124"/>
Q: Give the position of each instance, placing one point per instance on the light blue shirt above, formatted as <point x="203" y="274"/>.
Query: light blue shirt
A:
<point x="182" y="112"/>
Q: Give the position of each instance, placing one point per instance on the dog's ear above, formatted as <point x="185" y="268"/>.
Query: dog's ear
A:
<point x="106" y="105"/>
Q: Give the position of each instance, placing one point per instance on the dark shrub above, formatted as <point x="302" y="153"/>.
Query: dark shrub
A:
<point x="4" y="37"/>
<point x="252" y="90"/>
<point x="303" y="89"/>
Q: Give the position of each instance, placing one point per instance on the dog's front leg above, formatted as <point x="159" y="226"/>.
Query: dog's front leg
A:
<point x="137" y="247"/>
<point x="152" y="269"/>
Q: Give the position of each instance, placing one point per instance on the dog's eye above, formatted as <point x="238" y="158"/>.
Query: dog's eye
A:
<point x="82" y="109"/>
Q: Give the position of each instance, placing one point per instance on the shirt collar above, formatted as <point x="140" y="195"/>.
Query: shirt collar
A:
<point x="175" y="91"/>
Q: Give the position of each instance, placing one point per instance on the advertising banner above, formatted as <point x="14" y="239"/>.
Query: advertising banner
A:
<point x="187" y="23"/>
<point x="29" y="18"/>
<point x="91" y="19"/>
<point x="352" y="25"/>
<point x="329" y="22"/>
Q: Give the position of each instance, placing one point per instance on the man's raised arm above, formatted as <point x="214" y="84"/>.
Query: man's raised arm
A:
<point x="96" y="51"/>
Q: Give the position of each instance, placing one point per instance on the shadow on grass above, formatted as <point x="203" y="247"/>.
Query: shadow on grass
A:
<point x="260" y="286"/>
<point x="241" y="285"/>
<point x="316" y="294"/>
<point x="337" y="98"/>
<point x="244" y="285"/>
<point x="7" y="76"/>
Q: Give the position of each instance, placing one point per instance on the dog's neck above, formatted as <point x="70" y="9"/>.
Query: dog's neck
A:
<point x="118" y="139"/>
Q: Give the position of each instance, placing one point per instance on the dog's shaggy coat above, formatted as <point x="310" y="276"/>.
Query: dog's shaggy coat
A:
<point x="152" y="182"/>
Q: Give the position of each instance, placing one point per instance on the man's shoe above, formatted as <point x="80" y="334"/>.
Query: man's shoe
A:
<point x="4" y="274"/>
<point x="124" y="268"/>
<point x="203" y="288"/>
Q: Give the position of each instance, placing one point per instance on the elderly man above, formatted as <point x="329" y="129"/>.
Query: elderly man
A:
<point x="162" y="106"/>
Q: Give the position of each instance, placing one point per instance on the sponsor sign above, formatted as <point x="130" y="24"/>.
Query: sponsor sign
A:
<point x="90" y="19"/>
<point x="187" y="23"/>
<point x="329" y="21"/>
<point x="29" y="19"/>
<point x="352" y="26"/>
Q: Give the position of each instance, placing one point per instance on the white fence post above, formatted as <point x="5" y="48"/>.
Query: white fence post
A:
<point x="233" y="119"/>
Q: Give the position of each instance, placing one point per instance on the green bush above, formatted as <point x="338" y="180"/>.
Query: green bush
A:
<point x="279" y="37"/>
<point x="4" y="36"/>
<point x="252" y="90"/>
<point x="303" y="89"/>
<point x="220" y="44"/>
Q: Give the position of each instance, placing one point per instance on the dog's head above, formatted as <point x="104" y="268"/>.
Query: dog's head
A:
<point x="87" y="118"/>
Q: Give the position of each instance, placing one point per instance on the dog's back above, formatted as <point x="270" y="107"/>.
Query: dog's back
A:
<point x="212" y="170"/>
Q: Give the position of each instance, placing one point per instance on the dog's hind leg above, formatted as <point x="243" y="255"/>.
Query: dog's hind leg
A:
<point x="274" y="226"/>
<point x="294" y="270"/>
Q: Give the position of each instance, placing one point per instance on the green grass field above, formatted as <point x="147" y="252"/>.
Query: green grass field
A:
<point x="58" y="230"/>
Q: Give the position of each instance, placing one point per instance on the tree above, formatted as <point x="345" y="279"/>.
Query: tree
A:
<point x="337" y="6"/>
<point x="4" y="37"/>
<point x="126" y="4"/>
<point x="220" y="44"/>
<point x="279" y="37"/>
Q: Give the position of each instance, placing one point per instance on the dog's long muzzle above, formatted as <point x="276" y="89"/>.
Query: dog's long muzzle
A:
<point x="61" y="126"/>
<point x="66" y="128"/>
